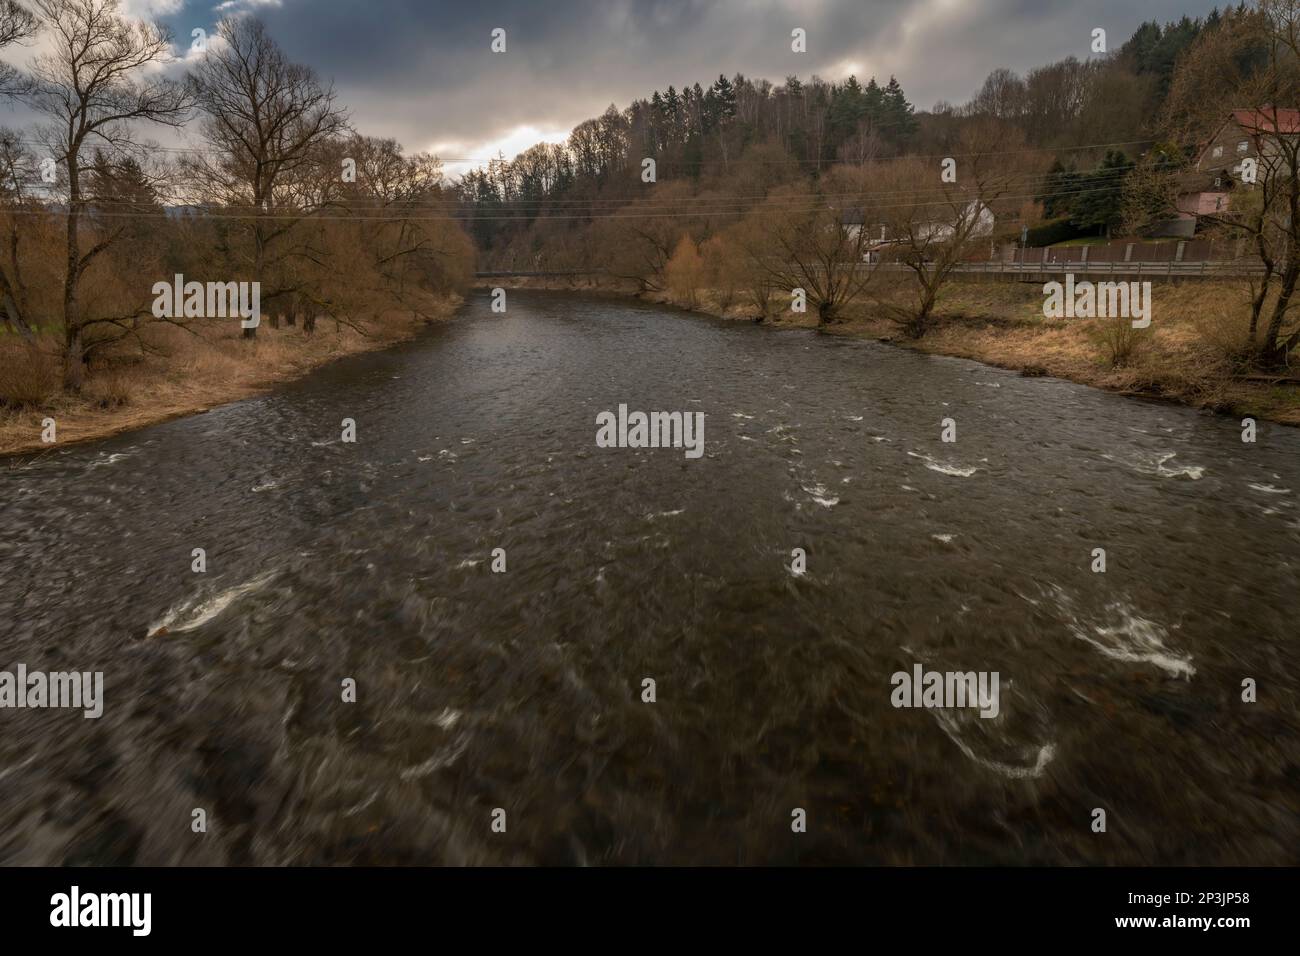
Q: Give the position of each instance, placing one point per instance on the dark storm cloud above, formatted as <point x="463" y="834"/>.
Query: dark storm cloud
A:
<point x="423" y="73"/>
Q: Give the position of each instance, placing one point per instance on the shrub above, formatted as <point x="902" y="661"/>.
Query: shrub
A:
<point x="30" y="374"/>
<point x="1120" y="343"/>
<point x="1052" y="232"/>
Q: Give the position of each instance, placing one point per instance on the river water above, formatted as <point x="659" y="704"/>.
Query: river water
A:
<point x="523" y="690"/>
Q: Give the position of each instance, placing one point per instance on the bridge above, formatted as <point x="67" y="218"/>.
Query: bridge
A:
<point x="1153" y="270"/>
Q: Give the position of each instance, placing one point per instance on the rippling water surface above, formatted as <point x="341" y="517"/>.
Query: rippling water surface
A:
<point x="522" y="690"/>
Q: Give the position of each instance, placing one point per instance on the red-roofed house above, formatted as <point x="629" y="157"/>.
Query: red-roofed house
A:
<point x="1245" y="134"/>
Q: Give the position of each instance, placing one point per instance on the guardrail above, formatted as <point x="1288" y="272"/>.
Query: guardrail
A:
<point x="1167" y="269"/>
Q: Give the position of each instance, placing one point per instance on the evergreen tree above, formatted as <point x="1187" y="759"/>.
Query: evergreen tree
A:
<point x="724" y="95"/>
<point x="898" y="112"/>
<point x="1099" y="203"/>
<point x="1059" y="188"/>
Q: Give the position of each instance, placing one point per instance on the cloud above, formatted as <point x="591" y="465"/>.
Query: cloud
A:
<point x="424" y="74"/>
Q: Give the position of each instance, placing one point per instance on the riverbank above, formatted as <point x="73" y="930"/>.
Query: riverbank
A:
<point x="1184" y="357"/>
<point x="182" y="373"/>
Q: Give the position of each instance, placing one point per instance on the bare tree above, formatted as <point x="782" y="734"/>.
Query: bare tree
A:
<point x="17" y="169"/>
<point x="862" y="146"/>
<point x="934" y="223"/>
<point x="17" y="24"/>
<point x="96" y="83"/>
<point x="264" y="118"/>
<point x="804" y="238"/>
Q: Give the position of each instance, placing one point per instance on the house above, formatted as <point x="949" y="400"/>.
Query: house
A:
<point x="1245" y="134"/>
<point x="926" y="231"/>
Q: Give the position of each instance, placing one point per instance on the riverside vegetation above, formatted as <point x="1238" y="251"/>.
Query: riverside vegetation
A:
<point x="351" y="239"/>
<point x="755" y="189"/>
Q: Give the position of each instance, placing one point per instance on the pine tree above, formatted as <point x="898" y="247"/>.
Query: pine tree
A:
<point x="899" y="121"/>
<point x="1058" y="190"/>
<point x="1099" y="203"/>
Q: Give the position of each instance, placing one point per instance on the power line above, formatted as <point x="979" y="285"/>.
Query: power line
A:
<point x="1087" y="182"/>
<point x="305" y="216"/>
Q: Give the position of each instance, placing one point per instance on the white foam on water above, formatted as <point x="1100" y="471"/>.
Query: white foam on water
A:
<point x="267" y="486"/>
<point x="1269" y="489"/>
<point x="956" y="471"/>
<point x="664" y="514"/>
<point x="1126" y="636"/>
<point x="945" y="538"/>
<point x="741" y="415"/>
<point x="1156" y="466"/>
<point x="469" y="563"/>
<point x="821" y="494"/>
<point x="1136" y="639"/>
<point x="195" y="613"/>
<point x="112" y="459"/>
<point x="1194" y="472"/>
<point x="1016" y="772"/>
<point x="425" y="458"/>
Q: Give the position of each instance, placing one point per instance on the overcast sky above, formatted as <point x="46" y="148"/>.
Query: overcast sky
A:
<point x="422" y="71"/>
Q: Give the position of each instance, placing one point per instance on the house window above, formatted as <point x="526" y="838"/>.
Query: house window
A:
<point x="1218" y="151"/>
<point x="1243" y="146"/>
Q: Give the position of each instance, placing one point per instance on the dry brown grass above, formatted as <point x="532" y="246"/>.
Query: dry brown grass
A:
<point x="29" y="372"/>
<point x="179" y="373"/>
<point x="1191" y="354"/>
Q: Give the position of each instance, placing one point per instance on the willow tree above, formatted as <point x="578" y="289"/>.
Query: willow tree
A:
<point x="266" y="119"/>
<point x="97" y="82"/>
<point x="810" y="238"/>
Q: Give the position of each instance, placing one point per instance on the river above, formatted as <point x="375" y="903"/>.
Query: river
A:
<point x="371" y="561"/>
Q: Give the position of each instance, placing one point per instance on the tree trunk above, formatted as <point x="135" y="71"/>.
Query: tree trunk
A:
<point x="14" y="316"/>
<point x="74" y="358"/>
<point x="1273" y="353"/>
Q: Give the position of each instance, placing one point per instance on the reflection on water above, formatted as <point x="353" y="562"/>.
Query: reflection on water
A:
<point x="476" y="690"/>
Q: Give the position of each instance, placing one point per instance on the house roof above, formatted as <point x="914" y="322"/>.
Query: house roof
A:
<point x="1268" y="120"/>
<point x="1254" y="122"/>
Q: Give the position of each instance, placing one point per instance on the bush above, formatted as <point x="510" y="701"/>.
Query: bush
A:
<point x="1054" y="231"/>
<point x="30" y="374"/>
<point x="684" y="273"/>
<point x="1120" y="343"/>
<point x="1225" y="328"/>
<point x="110" y="389"/>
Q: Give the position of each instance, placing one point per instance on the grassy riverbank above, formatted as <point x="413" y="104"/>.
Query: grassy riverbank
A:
<point x="1186" y="355"/>
<point x="179" y="373"/>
